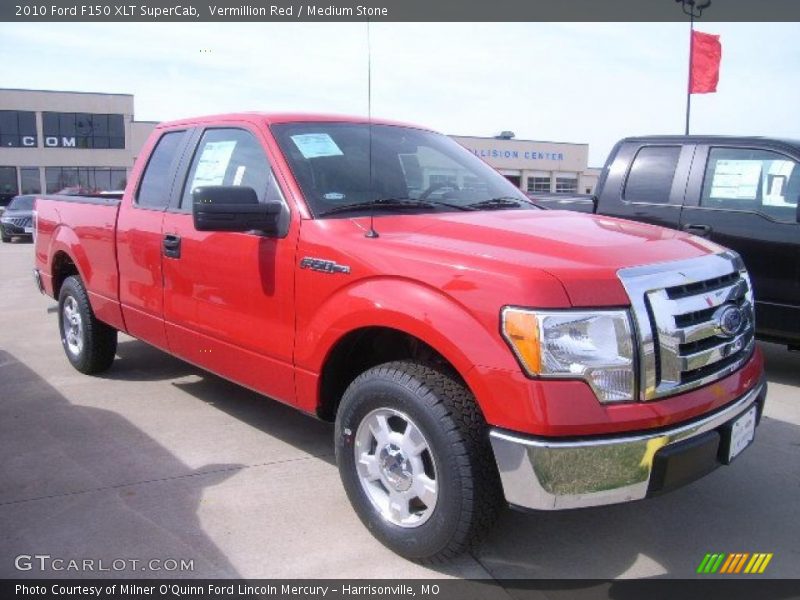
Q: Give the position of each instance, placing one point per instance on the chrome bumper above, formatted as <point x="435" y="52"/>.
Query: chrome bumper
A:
<point x="547" y="474"/>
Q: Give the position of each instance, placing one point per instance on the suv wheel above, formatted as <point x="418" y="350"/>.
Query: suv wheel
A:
<point x="415" y="460"/>
<point x="90" y="344"/>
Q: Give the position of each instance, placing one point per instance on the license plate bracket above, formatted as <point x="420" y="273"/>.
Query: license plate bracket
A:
<point x="738" y="435"/>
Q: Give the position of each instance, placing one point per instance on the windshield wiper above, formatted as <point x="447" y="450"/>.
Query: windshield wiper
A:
<point x="391" y="204"/>
<point x="500" y="202"/>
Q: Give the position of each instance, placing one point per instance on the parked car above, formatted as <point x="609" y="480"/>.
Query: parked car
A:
<point x="472" y="349"/>
<point x="741" y="192"/>
<point x="17" y="219"/>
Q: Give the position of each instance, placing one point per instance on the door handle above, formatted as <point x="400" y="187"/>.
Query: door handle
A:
<point x="700" y="230"/>
<point x="172" y="245"/>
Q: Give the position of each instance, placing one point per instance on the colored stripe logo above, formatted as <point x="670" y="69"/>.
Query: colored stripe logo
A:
<point x="737" y="562"/>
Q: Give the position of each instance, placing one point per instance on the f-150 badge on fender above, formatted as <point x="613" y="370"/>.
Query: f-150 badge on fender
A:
<point x="322" y="265"/>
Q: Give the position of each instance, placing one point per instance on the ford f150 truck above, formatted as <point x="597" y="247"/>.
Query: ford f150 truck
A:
<point x="741" y="192"/>
<point x="472" y="349"/>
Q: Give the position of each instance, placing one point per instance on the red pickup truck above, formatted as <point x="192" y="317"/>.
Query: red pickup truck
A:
<point x="472" y="349"/>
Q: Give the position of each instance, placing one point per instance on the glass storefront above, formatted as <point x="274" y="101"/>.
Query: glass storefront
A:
<point x="29" y="180"/>
<point x="83" y="130"/>
<point x="17" y="129"/>
<point x="82" y="180"/>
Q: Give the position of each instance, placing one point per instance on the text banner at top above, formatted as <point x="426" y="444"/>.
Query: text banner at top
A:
<point x="392" y="10"/>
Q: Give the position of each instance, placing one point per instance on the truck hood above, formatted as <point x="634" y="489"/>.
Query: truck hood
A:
<point x="584" y="252"/>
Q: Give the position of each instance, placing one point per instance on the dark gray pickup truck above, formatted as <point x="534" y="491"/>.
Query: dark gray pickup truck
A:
<point x="740" y="192"/>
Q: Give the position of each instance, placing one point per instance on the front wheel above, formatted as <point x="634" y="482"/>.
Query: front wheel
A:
<point x="415" y="460"/>
<point x="90" y="344"/>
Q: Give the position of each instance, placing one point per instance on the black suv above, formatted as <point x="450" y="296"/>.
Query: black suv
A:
<point x="17" y="220"/>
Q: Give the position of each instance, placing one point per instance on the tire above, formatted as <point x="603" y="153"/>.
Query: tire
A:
<point x="90" y="344"/>
<point x="6" y="238"/>
<point x="429" y="505"/>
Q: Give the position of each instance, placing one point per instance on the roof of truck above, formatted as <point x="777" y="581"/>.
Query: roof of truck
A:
<point x="700" y="139"/>
<point x="273" y="118"/>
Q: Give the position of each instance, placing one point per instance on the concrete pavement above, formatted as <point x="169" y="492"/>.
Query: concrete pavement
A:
<point x="159" y="460"/>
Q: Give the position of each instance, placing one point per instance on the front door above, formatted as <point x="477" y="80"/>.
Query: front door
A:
<point x="748" y="202"/>
<point x="229" y="296"/>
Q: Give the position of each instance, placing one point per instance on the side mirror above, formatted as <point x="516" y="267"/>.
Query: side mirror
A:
<point x="233" y="208"/>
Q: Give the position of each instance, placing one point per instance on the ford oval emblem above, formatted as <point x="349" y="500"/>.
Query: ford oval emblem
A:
<point x="729" y="320"/>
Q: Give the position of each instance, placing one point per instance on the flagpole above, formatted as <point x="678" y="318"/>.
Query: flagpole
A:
<point x="689" y="78"/>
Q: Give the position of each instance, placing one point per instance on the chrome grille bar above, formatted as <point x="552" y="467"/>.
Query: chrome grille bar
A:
<point x="677" y="310"/>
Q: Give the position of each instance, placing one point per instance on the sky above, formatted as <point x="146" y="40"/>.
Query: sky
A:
<point x="572" y="82"/>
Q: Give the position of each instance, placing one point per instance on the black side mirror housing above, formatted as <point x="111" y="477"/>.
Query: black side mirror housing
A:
<point x="233" y="208"/>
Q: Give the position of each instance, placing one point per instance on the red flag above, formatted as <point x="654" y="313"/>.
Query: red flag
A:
<point x="706" y="56"/>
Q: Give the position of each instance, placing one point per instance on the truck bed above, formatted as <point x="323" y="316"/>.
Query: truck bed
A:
<point x="84" y="228"/>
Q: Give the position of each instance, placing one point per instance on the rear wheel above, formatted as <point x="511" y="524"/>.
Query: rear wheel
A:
<point x="90" y="344"/>
<point x="415" y="460"/>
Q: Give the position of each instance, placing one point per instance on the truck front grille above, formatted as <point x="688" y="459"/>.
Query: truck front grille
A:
<point x="694" y="319"/>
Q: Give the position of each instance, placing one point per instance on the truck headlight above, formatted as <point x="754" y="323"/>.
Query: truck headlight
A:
<point x="596" y="346"/>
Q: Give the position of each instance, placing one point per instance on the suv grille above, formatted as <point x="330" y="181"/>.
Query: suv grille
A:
<point x="21" y="221"/>
<point x="695" y="321"/>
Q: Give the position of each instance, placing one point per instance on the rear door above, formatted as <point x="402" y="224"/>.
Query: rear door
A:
<point x="139" y="240"/>
<point x="646" y="182"/>
<point x="229" y="296"/>
<point x="746" y="198"/>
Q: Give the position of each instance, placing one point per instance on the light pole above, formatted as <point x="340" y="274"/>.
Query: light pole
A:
<point x="694" y="10"/>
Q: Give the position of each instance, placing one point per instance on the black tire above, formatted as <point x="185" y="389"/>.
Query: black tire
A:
<point x="443" y="409"/>
<point x="98" y="341"/>
<point x="6" y="238"/>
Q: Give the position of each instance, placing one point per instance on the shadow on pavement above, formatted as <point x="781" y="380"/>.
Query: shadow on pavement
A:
<point x="79" y="482"/>
<point x="138" y="361"/>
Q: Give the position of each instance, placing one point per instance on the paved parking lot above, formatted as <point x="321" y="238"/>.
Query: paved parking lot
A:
<point x="159" y="460"/>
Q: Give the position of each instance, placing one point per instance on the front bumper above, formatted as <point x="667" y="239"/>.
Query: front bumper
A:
<point x="12" y="229"/>
<point x="551" y="474"/>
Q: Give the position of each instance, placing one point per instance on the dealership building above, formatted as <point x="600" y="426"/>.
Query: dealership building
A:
<point x="536" y="167"/>
<point x="54" y="141"/>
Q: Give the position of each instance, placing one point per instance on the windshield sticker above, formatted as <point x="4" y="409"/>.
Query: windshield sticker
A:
<point x="213" y="164"/>
<point x="316" y="145"/>
<point x="333" y="196"/>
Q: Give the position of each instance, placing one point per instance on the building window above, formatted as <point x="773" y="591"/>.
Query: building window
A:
<point x="29" y="180"/>
<point x="538" y="184"/>
<point x="8" y="184"/>
<point x="80" y="180"/>
<point x="566" y="185"/>
<point x="83" y="130"/>
<point x="17" y="129"/>
<point x="651" y="174"/>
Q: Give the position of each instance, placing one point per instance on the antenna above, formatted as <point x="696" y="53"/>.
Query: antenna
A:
<point x="371" y="233"/>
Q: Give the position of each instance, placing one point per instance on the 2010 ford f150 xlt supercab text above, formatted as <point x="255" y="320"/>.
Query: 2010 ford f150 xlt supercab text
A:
<point x="472" y="349"/>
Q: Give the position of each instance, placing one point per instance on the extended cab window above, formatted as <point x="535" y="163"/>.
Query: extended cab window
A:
<point x="651" y="175"/>
<point x="156" y="182"/>
<point x="752" y="180"/>
<point x="231" y="157"/>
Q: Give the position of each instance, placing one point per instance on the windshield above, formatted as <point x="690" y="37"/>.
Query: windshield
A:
<point x="330" y="162"/>
<point x="21" y="203"/>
